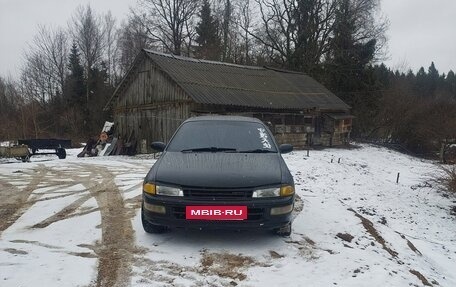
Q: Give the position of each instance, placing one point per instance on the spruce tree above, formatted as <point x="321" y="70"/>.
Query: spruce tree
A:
<point x="75" y="87"/>
<point x="348" y="68"/>
<point x="450" y="81"/>
<point x="208" y="39"/>
<point x="75" y="81"/>
<point x="421" y="87"/>
<point x="432" y="79"/>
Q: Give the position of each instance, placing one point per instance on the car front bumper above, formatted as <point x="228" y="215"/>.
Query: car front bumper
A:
<point x="258" y="213"/>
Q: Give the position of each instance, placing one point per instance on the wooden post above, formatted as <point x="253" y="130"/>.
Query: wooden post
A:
<point x="397" y="179"/>
<point x="338" y="160"/>
<point x="442" y="152"/>
<point x="307" y="152"/>
<point x="332" y="160"/>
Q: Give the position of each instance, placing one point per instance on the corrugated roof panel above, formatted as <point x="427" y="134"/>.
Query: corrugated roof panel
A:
<point x="228" y="84"/>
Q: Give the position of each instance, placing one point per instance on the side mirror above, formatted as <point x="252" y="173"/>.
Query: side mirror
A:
<point x="285" y="148"/>
<point x="158" y="146"/>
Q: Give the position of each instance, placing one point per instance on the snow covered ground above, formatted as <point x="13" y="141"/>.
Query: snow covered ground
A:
<point x="75" y="222"/>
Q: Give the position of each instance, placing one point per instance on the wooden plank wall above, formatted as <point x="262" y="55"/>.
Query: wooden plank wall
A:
<point x="151" y="107"/>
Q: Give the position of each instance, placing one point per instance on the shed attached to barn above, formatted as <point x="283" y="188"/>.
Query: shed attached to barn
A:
<point x="160" y="91"/>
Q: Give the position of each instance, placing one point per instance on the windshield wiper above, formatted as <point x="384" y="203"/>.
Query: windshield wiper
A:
<point x="210" y="149"/>
<point x="259" y="150"/>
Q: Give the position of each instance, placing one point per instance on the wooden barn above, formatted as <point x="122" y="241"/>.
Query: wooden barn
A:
<point x="160" y="91"/>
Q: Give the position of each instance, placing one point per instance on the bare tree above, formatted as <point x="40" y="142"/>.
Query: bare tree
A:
<point x="112" y="47"/>
<point x="226" y="24"/>
<point x="9" y="108"/>
<point x="45" y="63"/>
<point x="167" y="21"/>
<point x="369" y="24"/>
<point x="88" y="32"/>
<point x="53" y="44"/>
<point x="133" y="38"/>
<point x="296" y="33"/>
<point x="30" y="105"/>
<point x="245" y="21"/>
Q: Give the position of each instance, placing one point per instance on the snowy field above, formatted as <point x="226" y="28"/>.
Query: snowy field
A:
<point x="75" y="222"/>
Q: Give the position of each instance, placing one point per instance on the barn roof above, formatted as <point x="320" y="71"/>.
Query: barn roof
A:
<point x="209" y="82"/>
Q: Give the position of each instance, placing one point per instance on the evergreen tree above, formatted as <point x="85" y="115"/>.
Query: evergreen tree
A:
<point x="349" y="76"/>
<point x="207" y="35"/>
<point x="101" y="91"/>
<point x="75" y="80"/>
<point x="349" y="57"/>
<point x="75" y="112"/>
<point x="421" y="87"/>
<point x="450" y="81"/>
<point x="432" y="79"/>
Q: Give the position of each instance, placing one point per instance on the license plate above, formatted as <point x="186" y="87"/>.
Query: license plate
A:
<point x="216" y="212"/>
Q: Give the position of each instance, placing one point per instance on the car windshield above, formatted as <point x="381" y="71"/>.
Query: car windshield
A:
<point x="222" y="136"/>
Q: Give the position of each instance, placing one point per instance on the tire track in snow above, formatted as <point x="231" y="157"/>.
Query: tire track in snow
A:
<point x="116" y="248"/>
<point x="115" y="251"/>
<point x="117" y="243"/>
<point x="14" y="201"/>
<point x="65" y="213"/>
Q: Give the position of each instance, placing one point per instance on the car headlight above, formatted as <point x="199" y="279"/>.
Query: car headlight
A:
<point x="267" y="192"/>
<point x="169" y="191"/>
<point x="150" y="188"/>
<point x="287" y="190"/>
<point x="153" y="189"/>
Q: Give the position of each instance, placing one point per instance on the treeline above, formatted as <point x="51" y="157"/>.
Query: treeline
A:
<point x="69" y="73"/>
<point x="415" y="110"/>
<point x="67" y="76"/>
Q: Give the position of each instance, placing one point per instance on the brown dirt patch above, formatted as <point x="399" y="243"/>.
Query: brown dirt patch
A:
<point x="421" y="277"/>
<point x="306" y="247"/>
<point x="15" y="251"/>
<point x="225" y="264"/>
<point x="345" y="237"/>
<point x="298" y="206"/>
<point x="369" y="226"/>
<point x="275" y="255"/>
<point x="410" y="244"/>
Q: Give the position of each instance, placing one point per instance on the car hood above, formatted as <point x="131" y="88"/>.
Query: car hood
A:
<point x="222" y="170"/>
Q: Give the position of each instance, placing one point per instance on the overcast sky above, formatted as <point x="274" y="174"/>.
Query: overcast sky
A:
<point x="420" y="31"/>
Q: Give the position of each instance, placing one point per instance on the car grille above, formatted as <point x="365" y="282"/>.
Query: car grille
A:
<point x="217" y="194"/>
<point x="252" y="213"/>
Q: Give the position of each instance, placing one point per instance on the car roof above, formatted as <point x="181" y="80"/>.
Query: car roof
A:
<point x="223" y="118"/>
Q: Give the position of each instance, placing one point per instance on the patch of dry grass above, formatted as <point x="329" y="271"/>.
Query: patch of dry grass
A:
<point x="447" y="179"/>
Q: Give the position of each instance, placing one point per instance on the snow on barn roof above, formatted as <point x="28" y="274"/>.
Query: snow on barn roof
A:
<point x="210" y="82"/>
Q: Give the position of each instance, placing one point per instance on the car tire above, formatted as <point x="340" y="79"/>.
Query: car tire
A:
<point x="284" y="231"/>
<point x="151" y="228"/>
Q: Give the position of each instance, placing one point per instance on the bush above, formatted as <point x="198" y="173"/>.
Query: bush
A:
<point x="447" y="180"/>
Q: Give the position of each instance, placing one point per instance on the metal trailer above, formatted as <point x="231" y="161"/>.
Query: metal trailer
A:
<point x="58" y="145"/>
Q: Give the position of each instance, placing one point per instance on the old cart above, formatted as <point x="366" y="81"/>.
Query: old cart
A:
<point x="58" y="145"/>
